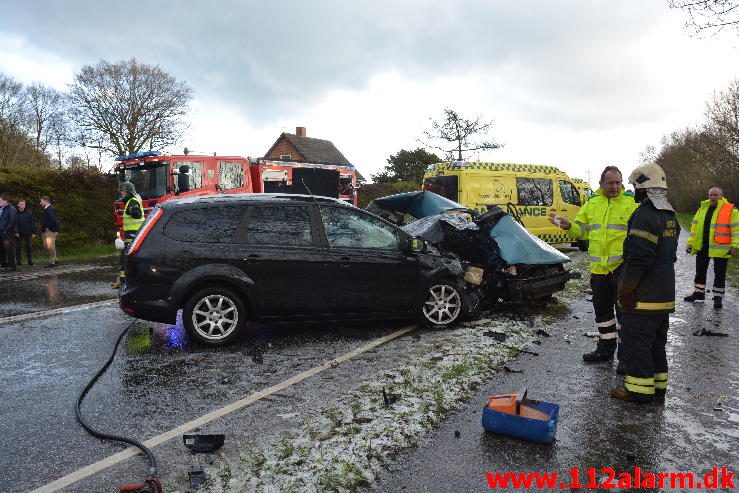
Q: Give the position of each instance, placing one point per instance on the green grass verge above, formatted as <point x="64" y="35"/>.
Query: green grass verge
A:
<point x="67" y="254"/>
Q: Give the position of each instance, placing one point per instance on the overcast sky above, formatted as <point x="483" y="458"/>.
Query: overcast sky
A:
<point x="576" y="84"/>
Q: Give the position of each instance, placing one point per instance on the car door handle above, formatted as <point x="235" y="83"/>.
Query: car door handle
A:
<point x="253" y="257"/>
<point x="344" y="262"/>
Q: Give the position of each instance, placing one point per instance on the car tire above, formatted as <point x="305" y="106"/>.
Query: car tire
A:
<point x="445" y="303"/>
<point x="214" y="316"/>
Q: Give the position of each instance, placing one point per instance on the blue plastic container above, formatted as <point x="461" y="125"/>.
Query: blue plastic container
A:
<point x="509" y="422"/>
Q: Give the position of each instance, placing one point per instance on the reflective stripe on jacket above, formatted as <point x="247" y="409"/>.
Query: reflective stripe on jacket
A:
<point x="133" y="217"/>
<point x="602" y="221"/>
<point x="649" y="259"/>
<point x="725" y="225"/>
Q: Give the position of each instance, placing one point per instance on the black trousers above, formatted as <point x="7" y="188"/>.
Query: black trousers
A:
<point x="719" y="273"/>
<point x="9" y="247"/>
<point x="605" y="292"/>
<point x="122" y="261"/>
<point x="643" y="339"/>
<point x="25" y="241"/>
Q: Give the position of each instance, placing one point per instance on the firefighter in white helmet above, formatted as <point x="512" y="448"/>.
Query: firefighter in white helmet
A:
<point x="646" y="288"/>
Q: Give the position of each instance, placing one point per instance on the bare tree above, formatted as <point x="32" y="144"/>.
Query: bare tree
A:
<point x="709" y="17"/>
<point x="45" y="110"/>
<point x="133" y="105"/>
<point x="459" y="135"/>
<point x="12" y="103"/>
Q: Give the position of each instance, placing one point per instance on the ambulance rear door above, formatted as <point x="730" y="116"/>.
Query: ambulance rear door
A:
<point x="535" y="201"/>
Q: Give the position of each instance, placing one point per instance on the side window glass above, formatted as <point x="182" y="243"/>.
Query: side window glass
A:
<point x="194" y="174"/>
<point x="207" y="225"/>
<point x="279" y="225"/>
<point x="569" y="192"/>
<point x="534" y="191"/>
<point x="230" y="175"/>
<point x="348" y="228"/>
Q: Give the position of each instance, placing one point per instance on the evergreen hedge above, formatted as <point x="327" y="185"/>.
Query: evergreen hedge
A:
<point x="83" y="199"/>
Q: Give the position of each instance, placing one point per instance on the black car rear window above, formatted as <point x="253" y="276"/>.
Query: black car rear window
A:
<point x="279" y="225"/>
<point x="207" y="225"/>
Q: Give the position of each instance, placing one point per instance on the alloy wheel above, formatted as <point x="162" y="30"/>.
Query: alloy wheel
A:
<point x="443" y="304"/>
<point x="215" y="316"/>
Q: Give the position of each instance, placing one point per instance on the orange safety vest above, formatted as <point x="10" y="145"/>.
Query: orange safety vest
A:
<point x="722" y="234"/>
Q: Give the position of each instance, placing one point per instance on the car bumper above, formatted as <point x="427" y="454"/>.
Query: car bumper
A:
<point x="147" y="303"/>
<point x="518" y="288"/>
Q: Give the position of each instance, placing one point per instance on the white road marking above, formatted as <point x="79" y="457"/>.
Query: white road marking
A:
<point x="35" y="274"/>
<point x="56" y="311"/>
<point x="213" y="415"/>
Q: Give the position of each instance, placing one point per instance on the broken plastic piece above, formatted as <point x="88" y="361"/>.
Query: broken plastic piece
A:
<point x="498" y="336"/>
<point x="388" y="399"/>
<point x="197" y="477"/>
<point x="704" y="332"/>
<point x="203" y="443"/>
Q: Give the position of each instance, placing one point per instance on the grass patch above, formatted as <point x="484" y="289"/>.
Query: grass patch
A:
<point x="86" y="253"/>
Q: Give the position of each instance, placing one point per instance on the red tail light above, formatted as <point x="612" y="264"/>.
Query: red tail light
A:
<point x="150" y="222"/>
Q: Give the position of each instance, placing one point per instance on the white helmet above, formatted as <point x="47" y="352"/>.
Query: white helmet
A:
<point x="648" y="176"/>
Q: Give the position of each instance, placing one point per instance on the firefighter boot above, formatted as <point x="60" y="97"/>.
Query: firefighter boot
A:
<point x="659" y="396"/>
<point x="603" y="352"/>
<point x="718" y="303"/>
<point x="696" y="297"/>
<point x="622" y="393"/>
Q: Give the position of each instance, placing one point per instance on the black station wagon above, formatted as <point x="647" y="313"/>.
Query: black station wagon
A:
<point x="230" y="259"/>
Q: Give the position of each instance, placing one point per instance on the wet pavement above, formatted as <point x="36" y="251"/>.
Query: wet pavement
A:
<point x="37" y="289"/>
<point x="696" y="429"/>
<point x="159" y="381"/>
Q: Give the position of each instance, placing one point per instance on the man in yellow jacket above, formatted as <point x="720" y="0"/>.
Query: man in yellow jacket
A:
<point x="602" y="221"/>
<point x="714" y="234"/>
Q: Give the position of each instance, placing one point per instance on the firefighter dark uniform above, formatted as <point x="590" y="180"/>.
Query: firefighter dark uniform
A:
<point x="602" y="221"/>
<point x="647" y="289"/>
<point x="133" y="218"/>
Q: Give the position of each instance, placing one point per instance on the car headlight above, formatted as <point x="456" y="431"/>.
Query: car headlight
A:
<point x="473" y="275"/>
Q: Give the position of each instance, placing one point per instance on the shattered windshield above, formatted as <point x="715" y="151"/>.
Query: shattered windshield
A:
<point x="347" y="228"/>
<point x="150" y="179"/>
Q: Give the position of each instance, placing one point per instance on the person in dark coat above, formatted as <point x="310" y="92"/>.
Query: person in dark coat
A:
<point x="7" y="232"/>
<point x="49" y="230"/>
<point x="26" y="232"/>
<point x="646" y="288"/>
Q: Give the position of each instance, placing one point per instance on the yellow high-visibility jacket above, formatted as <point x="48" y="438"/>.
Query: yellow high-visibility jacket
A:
<point x="715" y="250"/>
<point x="602" y="221"/>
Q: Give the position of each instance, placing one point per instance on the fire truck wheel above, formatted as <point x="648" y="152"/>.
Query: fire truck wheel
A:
<point x="445" y="304"/>
<point x="214" y="316"/>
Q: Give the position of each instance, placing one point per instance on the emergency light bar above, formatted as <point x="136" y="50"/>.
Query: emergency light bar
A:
<point x="138" y="155"/>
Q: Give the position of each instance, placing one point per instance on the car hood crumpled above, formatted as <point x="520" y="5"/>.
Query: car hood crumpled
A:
<point x="435" y="213"/>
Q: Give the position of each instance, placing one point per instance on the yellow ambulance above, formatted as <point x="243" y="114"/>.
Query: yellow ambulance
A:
<point x="526" y="191"/>
<point x="584" y="188"/>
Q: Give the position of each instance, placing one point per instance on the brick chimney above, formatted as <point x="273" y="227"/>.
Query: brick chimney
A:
<point x="300" y="131"/>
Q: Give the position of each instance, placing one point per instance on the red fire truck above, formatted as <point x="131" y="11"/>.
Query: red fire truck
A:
<point x="159" y="177"/>
<point x="303" y="177"/>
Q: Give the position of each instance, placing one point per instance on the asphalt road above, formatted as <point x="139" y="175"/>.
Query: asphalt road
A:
<point x="696" y="429"/>
<point x="159" y="381"/>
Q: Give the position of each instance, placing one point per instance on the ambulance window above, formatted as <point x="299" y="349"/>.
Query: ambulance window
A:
<point x="230" y="175"/>
<point x="569" y="192"/>
<point x="534" y="191"/>
<point x="446" y="186"/>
